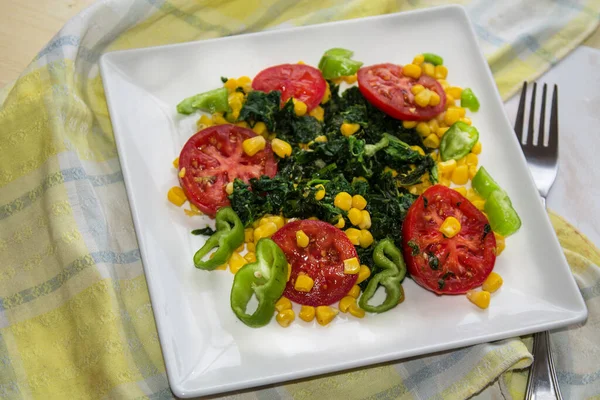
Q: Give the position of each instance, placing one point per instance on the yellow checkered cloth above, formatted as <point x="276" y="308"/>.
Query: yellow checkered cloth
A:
<point x="75" y="317"/>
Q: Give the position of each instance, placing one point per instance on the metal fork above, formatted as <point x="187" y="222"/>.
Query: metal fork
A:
<point x="543" y="163"/>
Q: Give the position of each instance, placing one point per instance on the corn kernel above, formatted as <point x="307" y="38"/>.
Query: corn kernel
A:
<point x="418" y="60"/>
<point x="412" y="70"/>
<point x="260" y="128"/>
<point x="423" y="129"/>
<point x="343" y="200"/>
<point x="416" y="89"/>
<point x="356" y="311"/>
<point x="326" y="95"/>
<point x="450" y="102"/>
<point x="240" y="248"/>
<point x="409" y="124"/>
<point x="248" y="235"/>
<point x="363" y="273"/>
<point x="242" y="124"/>
<point x="325" y="314"/>
<point x="462" y="190"/>
<point x="480" y="299"/>
<point x="447" y="167"/>
<point x="365" y="239"/>
<point x="460" y="175"/>
<point x="452" y="115"/>
<point x="304" y="283"/>
<point x="450" y="227"/>
<point x="355" y="291"/>
<point x="281" y="148"/>
<point x="418" y="149"/>
<point x="355" y="216"/>
<point x="341" y="223"/>
<point x="351" y="266"/>
<point x="289" y="272"/>
<point x="428" y="69"/>
<point x="441" y="72"/>
<point x="479" y="204"/>
<point x="500" y="244"/>
<point x="307" y="313"/>
<point x="283" y="304"/>
<point x="349" y="129"/>
<point x="302" y="239"/>
<point x="251" y="247"/>
<point x="243" y="80"/>
<point x="176" y="163"/>
<point x="229" y="188"/>
<point x="250" y="256"/>
<point x="285" y="317"/>
<point x="205" y="121"/>
<point x="472" y="171"/>
<point x="472" y="195"/>
<point x="445" y="181"/>
<point x="176" y="196"/>
<point x="181" y="173"/>
<point x="236" y="261"/>
<point x="345" y="303"/>
<point x="444" y="83"/>
<point x="472" y="159"/>
<point x="454" y="91"/>
<point x="492" y="282"/>
<point x="392" y="171"/>
<point x="218" y="119"/>
<point x="231" y="84"/>
<point x="466" y="120"/>
<point x="435" y="99"/>
<point x="359" y="202"/>
<point x="264" y="231"/>
<point x="350" y="79"/>
<point x="300" y="107"/>
<point x="477" y="148"/>
<point x="462" y="112"/>
<point x="354" y="235"/>
<point x="317" y="113"/>
<point x="461" y="161"/>
<point x="422" y="99"/>
<point x="321" y="139"/>
<point x="441" y="131"/>
<point x="432" y="141"/>
<point x="320" y="194"/>
<point x="278" y="220"/>
<point x="366" y="220"/>
<point x="434" y="155"/>
<point x="254" y="145"/>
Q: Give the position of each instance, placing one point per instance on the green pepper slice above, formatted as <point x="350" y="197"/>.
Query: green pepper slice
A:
<point x="483" y="183"/>
<point x="336" y="63"/>
<point x="211" y="101"/>
<point x="265" y="278"/>
<point x="433" y="59"/>
<point x="469" y="100"/>
<point x="393" y="269"/>
<point x="458" y="141"/>
<point x="503" y="218"/>
<point x="228" y="237"/>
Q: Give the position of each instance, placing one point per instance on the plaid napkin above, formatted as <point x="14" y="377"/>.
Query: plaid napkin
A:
<point x="75" y="317"/>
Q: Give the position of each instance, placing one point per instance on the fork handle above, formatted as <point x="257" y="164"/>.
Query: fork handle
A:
<point x="542" y="383"/>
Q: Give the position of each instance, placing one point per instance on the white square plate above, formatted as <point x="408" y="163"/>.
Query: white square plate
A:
<point x="206" y="349"/>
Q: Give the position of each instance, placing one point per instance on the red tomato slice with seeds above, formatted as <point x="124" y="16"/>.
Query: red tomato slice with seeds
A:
<point x="299" y="81"/>
<point x="214" y="157"/>
<point x="322" y="260"/>
<point x="387" y="88"/>
<point x="447" y="265"/>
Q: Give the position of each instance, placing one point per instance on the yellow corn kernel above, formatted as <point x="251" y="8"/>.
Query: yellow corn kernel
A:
<point x="452" y="115"/>
<point x="289" y="272"/>
<point x="281" y="148"/>
<point x="409" y="124"/>
<point x="450" y="227"/>
<point x="435" y="99"/>
<point x="366" y="220"/>
<point x="500" y="243"/>
<point x="236" y="261"/>
<point x="349" y="129"/>
<point x="392" y="171"/>
<point x="461" y="111"/>
<point x="365" y="239"/>
<point x="363" y="273"/>
<point x="176" y="196"/>
<point x="218" y="119"/>
<point x="300" y="107"/>
<point x="181" y="173"/>
<point x="302" y="239"/>
<point x="492" y="282"/>
<point x="307" y="313"/>
<point x="321" y="139"/>
<point x="412" y="70"/>
<point x="285" y="317"/>
<point x="242" y="124"/>
<point x="441" y="72"/>
<point x="222" y="267"/>
<point x="326" y="95"/>
<point x="283" y="304"/>
<point x="480" y="299"/>
<point x="422" y="99"/>
<point x="423" y="129"/>
<point x="345" y="303"/>
<point x="472" y="171"/>
<point x="251" y="247"/>
<point x="450" y="102"/>
<point x="254" y="145"/>
<point x="356" y="311"/>
<point x="418" y="149"/>
<point x="304" y="283"/>
<point x="432" y="141"/>
<point x="446" y="167"/>
<point x="341" y="223"/>
<point x="278" y="220"/>
<point x="355" y="216"/>
<point x="320" y="193"/>
<point x="479" y="204"/>
<point x="250" y="256"/>
<point x="466" y="120"/>
<point x="472" y="159"/>
<point x="176" y="163"/>
<point x="454" y="91"/>
<point x="444" y="83"/>
<point x="477" y="148"/>
<point x="434" y="155"/>
<point x="416" y="89"/>
<point x="445" y="181"/>
<point x="325" y="314"/>
<point x="355" y="291"/>
<point x="462" y="190"/>
<point x="205" y="121"/>
<point x="260" y="128"/>
<point x="418" y="60"/>
<point x="235" y="100"/>
<point x="231" y="84"/>
<point x="441" y="131"/>
<point x="351" y="266"/>
<point x="472" y="195"/>
<point x="243" y="80"/>
<point x="229" y="188"/>
<point x="317" y="113"/>
<point x="240" y="248"/>
<point x="359" y="202"/>
<point x="248" y="235"/>
<point x="428" y="69"/>
<point x="461" y="161"/>
<point x="354" y="235"/>
<point x="264" y="231"/>
<point x="343" y="200"/>
<point x="460" y="175"/>
<point x="350" y="79"/>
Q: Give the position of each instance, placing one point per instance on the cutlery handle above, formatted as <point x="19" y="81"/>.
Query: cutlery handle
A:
<point x="542" y="383"/>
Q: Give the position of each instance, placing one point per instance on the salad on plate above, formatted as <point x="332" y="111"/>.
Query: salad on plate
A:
<point x="330" y="184"/>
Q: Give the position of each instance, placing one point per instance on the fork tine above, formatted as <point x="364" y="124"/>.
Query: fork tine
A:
<point x="540" y="141"/>
<point x="521" y="114"/>
<point x="530" y="131"/>
<point x="553" y="139"/>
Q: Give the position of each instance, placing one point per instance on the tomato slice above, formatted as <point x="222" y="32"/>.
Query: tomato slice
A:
<point x="322" y="260"/>
<point x="299" y="81"/>
<point x="386" y="87"/>
<point x="214" y="157"/>
<point x="447" y="265"/>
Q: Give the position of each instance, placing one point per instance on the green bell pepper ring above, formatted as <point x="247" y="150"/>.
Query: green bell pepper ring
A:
<point x="228" y="237"/>
<point x="336" y="52"/>
<point x="483" y="183"/>
<point x="211" y="101"/>
<point x="458" y="141"/>
<point x="265" y="278"/>
<point x="336" y="63"/>
<point x="393" y="269"/>
<point x="433" y="59"/>
<point x="469" y="100"/>
<point x="503" y="218"/>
